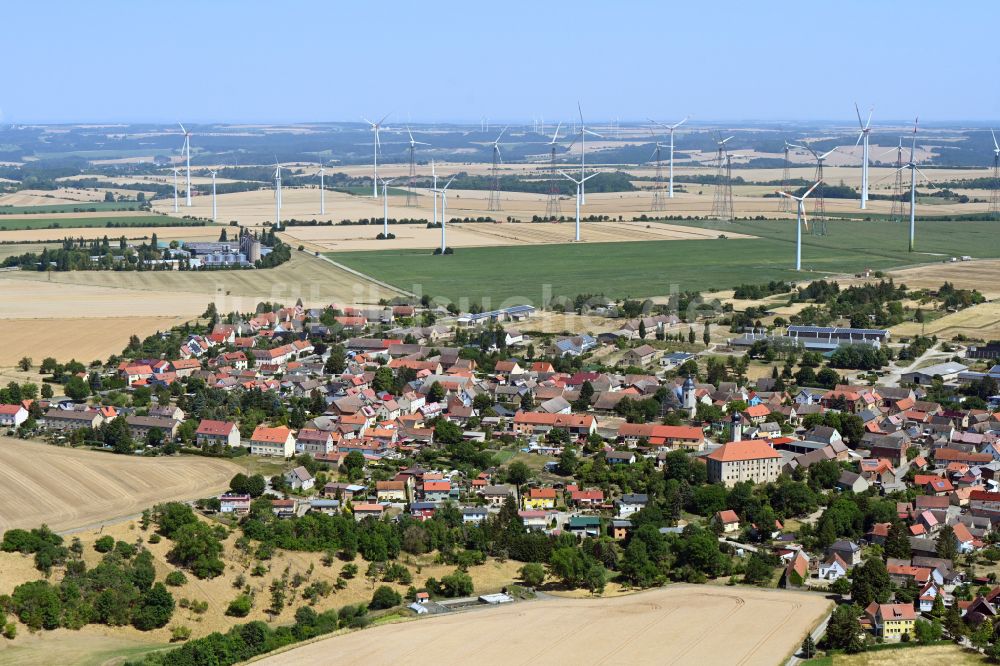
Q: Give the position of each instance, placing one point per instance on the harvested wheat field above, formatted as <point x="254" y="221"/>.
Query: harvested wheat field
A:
<point x="70" y="488"/>
<point x="86" y="294"/>
<point x="84" y="339"/>
<point x="191" y="233"/>
<point x="980" y="322"/>
<point x="981" y="274"/>
<point x="672" y="625"/>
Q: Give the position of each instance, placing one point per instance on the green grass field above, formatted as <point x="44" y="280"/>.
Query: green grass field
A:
<point x="81" y="207"/>
<point x="80" y="222"/>
<point x="532" y="274"/>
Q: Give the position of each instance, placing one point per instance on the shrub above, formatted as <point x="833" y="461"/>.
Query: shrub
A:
<point x="104" y="544"/>
<point x="10" y="631"/>
<point x="175" y="578"/>
<point x="179" y="633"/>
<point x="240" y="606"/>
<point x="385" y="597"/>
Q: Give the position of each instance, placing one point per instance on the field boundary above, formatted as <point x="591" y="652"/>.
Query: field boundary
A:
<point x="369" y="278"/>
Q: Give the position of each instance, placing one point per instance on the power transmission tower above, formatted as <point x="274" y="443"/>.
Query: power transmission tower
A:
<point x="819" y="205"/>
<point x="784" y="203"/>
<point x="659" y="196"/>
<point x="552" y="208"/>
<point x="722" y="206"/>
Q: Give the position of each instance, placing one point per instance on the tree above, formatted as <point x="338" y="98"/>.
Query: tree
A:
<point x="595" y="578"/>
<point x="436" y="393"/>
<point x="24" y="364"/>
<point x="240" y="606"/>
<point x="691" y="335"/>
<point x="569" y="565"/>
<point x="808" y="647"/>
<point x="354" y="464"/>
<point x="336" y="363"/>
<point x="642" y="330"/>
<point x="844" y="626"/>
<point x="383" y="380"/>
<point x="758" y="570"/>
<point x="46" y="391"/>
<point x="527" y="401"/>
<point x="706" y="335"/>
<point x="567" y="461"/>
<point x="196" y="547"/>
<point x="947" y="547"/>
<point x="154" y="609"/>
<point x="458" y="584"/>
<point x="532" y="574"/>
<point x="927" y="632"/>
<point x="518" y="473"/>
<point x="870" y="582"/>
<point x="385" y="597"/>
<point x="897" y="544"/>
<point x="77" y="389"/>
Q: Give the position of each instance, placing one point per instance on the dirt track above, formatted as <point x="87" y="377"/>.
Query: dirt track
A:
<point x="674" y="625"/>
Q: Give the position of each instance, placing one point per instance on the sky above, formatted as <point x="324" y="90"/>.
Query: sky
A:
<point x="509" y="61"/>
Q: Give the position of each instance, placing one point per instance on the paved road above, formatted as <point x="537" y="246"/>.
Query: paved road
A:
<point x="817" y="633"/>
<point x="896" y="373"/>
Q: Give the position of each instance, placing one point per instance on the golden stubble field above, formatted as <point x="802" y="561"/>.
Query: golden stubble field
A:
<point x="679" y="624"/>
<point x="70" y="488"/>
<point x="88" y="315"/>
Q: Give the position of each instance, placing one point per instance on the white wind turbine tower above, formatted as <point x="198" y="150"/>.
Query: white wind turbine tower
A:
<point x="434" y="190"/>
<point x="215" y="209"/>
<point x="583" y="152"/>
<point x="671" y="128"/>
<point x="375" y="128"/>
<point x="444" y="211"/>
<point x="277" y="194"/>
<point x="863" y="136"/>
<point x="800" y="217"/>
<point x="579" y="193"/>
<point x="914" y="170"/>
<point x="385" y="207"/>
<point x="186" y="149"/>
<point x="175" y="188"/>
<point x="322" y="189"/>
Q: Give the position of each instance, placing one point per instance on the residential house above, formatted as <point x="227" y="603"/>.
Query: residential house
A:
<point x="367" y="510"/>
<point x="584" y="525"/>
<point x="540" y="498"/>
<point x="225" y="433"/>
<point x="437" y="490"/>
<point x="314" y="441"/>
<point x="797" y="570"/>
<point x="64" y="420"/>
<point x="140" y="427"/>
<point x="12" y="416"/>
<point x="495" y="496"/>
<point x="892" y="621"/>
<point x="299" y="478"/>
<point x="728" y="521"/>
<point x="276" y="442"/>
<point x="631" y="503"/>
<point x="833" y="568"/>
<point x="391" y="491"/>
<point x="235" y="504"/>
<point x="640" y="356"/>
<point x="848" y="551"/>
<point x="474" y="514"/>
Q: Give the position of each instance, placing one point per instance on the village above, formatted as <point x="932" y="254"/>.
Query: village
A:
<point x="884" y="496"/>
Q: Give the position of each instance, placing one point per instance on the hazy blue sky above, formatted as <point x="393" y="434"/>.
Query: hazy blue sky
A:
<point x="229" y="60"/>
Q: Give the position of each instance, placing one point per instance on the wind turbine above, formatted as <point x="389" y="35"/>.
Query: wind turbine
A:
<point x="215" y="209"/>
<point x="583" y="152"/>
<point x="434" y="190"/>
<point x="914" y="170"/>
<point x="277" y="194"/>
<point x="863" y="136"/>
<point x="411" y="197"/>
<point x="995" y="192"/>
<point x="658" y="202"/>
<point x="375" y="128"/>
<point x="385" y="207"/>
<point x="671" y="128"/>
<point x="444" y="212"/>
<point x="800" y="217"/>
<point x="186" y="148"/>
<point x="175" y="188"/>
<point x="579" y="192"/>
<point x="322" y="190"/>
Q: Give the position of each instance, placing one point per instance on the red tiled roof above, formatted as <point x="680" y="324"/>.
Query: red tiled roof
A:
<point x="743" y="450"/>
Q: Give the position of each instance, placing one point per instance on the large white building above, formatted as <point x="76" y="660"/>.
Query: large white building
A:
<point x="749" y="460"/>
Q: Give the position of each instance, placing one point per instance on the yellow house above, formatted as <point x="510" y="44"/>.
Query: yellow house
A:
<point x="892" y="621"/>
<point x="540" y="498"/>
